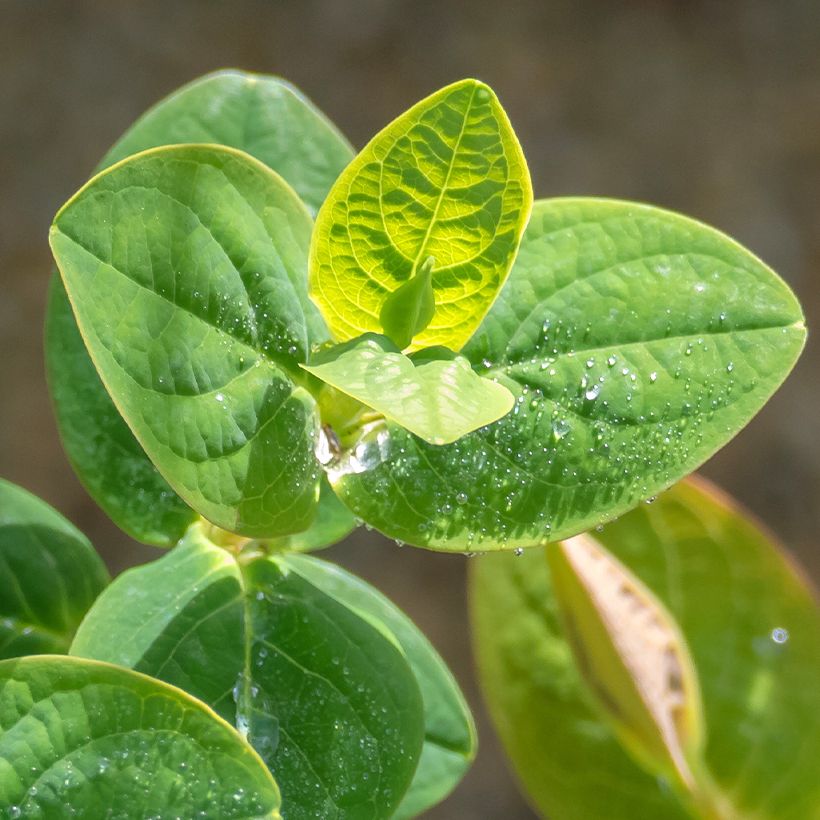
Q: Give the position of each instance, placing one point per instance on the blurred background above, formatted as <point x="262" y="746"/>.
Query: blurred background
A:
<point x="709" y="108"/>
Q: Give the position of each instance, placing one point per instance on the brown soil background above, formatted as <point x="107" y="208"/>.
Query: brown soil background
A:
<point x="709" y="108"/>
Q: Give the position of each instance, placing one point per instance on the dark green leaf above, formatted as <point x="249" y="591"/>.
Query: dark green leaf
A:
<point x="752" y="625"/>
<point x="85" y="739"/>
<point x="449" y="733"/>
<point x="636" y="341"/>
<point x="327" y="699"/>
<point x="270" y="120"/>
<point x="437" y="397"/>
<point x="186" y="270"/>
<point x="49" y="576"/>
<point x="446" y="180"/>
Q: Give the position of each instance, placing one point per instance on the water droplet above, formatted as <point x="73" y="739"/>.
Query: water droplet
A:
<point x="653" y="376"/>
<point x="519" y="551"/>
<point x="730" y="367"/>
<point x="220" y="397"/>
<point x="461" y="498"/>
<point x="780" y="635"/>
<point x="593" y="392"/>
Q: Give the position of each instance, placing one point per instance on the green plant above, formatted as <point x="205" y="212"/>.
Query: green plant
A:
<point x="436" y="357"/>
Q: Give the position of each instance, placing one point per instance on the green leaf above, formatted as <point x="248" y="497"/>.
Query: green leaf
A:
<point x="436" y="395"/>
<point x="751" y="623"/>
<point x="264" y="116"/>
<point x="109" y="461"/>
<point x="272" y="121"/>
<point x="446" y="180"/>
<point x="449" y="732"/>
<point x="637" y="342"/>
<point x="333" y="522"/>
<point x="186" y="270"/>
<point x="80" y="738"/>
<point x="327" y="699"/>
<point x="410" y="308"/>
<point x="49" y="576"/>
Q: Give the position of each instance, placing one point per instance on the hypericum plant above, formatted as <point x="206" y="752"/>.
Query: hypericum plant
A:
<point x="438" y="358"/>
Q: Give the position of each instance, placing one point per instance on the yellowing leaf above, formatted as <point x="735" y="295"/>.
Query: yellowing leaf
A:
<point x="632" y="654"/>
<point x="446" y="180"/>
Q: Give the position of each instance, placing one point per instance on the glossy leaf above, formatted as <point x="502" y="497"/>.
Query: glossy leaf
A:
<point x="272" y="121"/>
<point x="327" y="699"/>
<point x="49" y="576"/>
<point x="636" y="341"/>
<point x="446" y="180"/>
<point x="185" y="267"/>
<point x="449" y="732"/>
<point x="437" y="396"/>
<point x="80" y="738"/>
<point x="751" y="623"/>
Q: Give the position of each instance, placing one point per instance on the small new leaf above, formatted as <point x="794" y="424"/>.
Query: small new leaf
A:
<point x="436" y="395"/>
<point x="410" y="308"/>
<point x="632" y="655"/>
<point x="446" y="179"/>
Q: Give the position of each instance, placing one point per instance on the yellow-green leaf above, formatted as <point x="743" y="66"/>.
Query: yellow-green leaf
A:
<point x="446" y="180"/>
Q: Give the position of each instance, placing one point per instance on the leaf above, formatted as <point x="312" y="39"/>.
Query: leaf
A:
<point x="327" y="700"/>
<point x="632" y="656"/>
<point x="411" y="307"/>
<point x="436" y="396"/>
<point x="333" y="522"/>
<point x="449" y="738"/>
<point x="109" y="461"/>
<point x="49" y="576"/>
<point x="446" y="180"/>
<point x="751" y="623"/>
<point x="637" y="342"/>
<point x="272" y="121"/>
<point x="185" y="267"/>
<point x="264" y="116"/>
<point x="80" y="738"/>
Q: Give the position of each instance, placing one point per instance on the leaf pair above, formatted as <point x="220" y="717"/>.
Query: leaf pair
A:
<point x="725" y="645"/>
<point x="333" y="686"/>
<point x="634" y="342"/>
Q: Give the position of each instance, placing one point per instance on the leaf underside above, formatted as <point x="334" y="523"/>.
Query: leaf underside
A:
<point x="636" y="342"/>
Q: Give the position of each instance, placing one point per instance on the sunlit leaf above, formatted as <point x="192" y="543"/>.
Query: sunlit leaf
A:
<point x="80" y="738"/>
<point x="186" y="271"/>
<point x="326" y="698"/>
<point x="49" y="576"/>
<point x="436" y="395"/>
<point x="753" y="628"/>
<point x="447" y="181"/>
<point x="272" y="121"/>
<point x="636" y="342"/>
